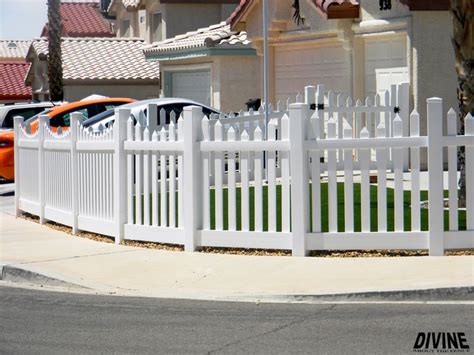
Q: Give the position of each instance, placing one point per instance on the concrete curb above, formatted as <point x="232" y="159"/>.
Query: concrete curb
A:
<point x="432" y="294"/>
<point x="17" y="274"/>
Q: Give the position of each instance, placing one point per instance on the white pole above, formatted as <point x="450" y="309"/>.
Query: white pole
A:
<point x="265" y="64"/>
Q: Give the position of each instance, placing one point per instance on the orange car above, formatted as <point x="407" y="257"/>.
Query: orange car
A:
<point x="59" y="117"/>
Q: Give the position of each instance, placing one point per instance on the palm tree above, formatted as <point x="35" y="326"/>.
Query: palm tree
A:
<point x="297" y="14"/>
<point x="55" y="69"/>
<point x="463" y="38"/>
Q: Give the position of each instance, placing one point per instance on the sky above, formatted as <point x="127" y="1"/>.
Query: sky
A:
<point x="22" y="19"/>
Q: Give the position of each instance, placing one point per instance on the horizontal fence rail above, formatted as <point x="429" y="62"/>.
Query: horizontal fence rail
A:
<point x="320" y="181"/>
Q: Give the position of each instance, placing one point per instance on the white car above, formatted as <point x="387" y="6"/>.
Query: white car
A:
<point x="26" y="110"/>
<point x="139" y="111"/>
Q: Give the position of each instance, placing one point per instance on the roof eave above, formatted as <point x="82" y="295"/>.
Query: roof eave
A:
<point x="200" y="52"/>
<point x="241" y="15"/>
<point x="335" y="11"/>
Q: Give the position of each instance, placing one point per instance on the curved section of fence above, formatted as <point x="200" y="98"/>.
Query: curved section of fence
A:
<point x="218" y="182"/>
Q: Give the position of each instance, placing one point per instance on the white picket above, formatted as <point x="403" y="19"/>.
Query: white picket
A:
<point x="154" y="183"/>
<point x="340" y="125"/>
<point x="469" y="132"/>
<point x="146" y="180"/>
<point x="163" y="183"/>
<point x="162" y="118"/>
<point x="206" y="206"/>
<point x="172" y="176"/>
<point x="364" y="160"/>
<point x="138" y="177"/>
<point x="369" y="118"/>
<point x="218" y="172"/>
<point x="382" y="157"/>
<point x="332" y="178"/>
<point x="258" y="192"/>
<point x="180" y="175"/>
<point x="315" y="174"/>
<point x="244" y="173"/>
<point x="272" y="203"/>
<point x="285" y="177"/>
<point x="348" y="181"/>
<point x="231" y="190"/>
<point x="452" y="172"/>
<point x="358" y="120"/>
<point x="397" y="154"/>
<point x="130" y="169"/>
<point x="415" y="174"/>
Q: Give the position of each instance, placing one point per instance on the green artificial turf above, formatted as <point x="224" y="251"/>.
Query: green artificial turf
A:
<point x="324" y="208"/>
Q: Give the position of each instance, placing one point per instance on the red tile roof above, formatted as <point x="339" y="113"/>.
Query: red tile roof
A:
<point x="235" y="16"/>
<point x="427" y="5"/>
<point x="328" y="8"/>
<point x="333" y="9"/>
<point x="82" y="20"/>
<point x="12" y="81"/>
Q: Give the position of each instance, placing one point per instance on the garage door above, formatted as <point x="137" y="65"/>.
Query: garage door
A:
<point x="297" y="68"/>
<point x="195" y="85"/>
<point x="383" y="54"/>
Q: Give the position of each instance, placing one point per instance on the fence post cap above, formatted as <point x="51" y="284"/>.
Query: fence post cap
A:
<point x="122" y="109"/>
<point x="469" y="119"/>
<point x="192" y="108"/>
<point x="298" y="105"/>
<point x="434" y="99"/>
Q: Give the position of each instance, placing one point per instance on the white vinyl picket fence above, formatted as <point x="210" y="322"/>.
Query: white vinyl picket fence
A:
<point x="218" y="182"/>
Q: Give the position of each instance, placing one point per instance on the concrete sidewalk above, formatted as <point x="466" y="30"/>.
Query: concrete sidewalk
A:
<point x="31" y="249"/>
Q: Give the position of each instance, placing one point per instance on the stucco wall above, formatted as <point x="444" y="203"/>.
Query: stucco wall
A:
<point x="234" y="80"/>
<point x="370" y="10"/>
<point x="239" y="82"/>
<point x="123" y="14"/>
<point x="434" y="72"/>
<point x="433" y="66"/>
<point x="137" y="91"/>
<point x="181" y="18"/>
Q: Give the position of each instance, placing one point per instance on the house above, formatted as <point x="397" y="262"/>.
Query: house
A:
<point x="13" y="68"/>
<point x="105" y="66"/>
<point x="82" y="19"/>
<point x="355" y="47"/>
<point x="157" y="20"/>
<point x="95" y="61"/>
<point x="200" y="57"/>
<point x="212" y="65"/>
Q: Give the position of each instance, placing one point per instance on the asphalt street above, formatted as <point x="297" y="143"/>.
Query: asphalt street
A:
<point x="37" y="321"/>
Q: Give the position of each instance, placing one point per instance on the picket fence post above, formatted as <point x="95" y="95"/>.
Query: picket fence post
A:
<point x="43" y="121"/>
<point x="75" y="120"/>
<point x="192" y="116"/>
<point x="309" y="95"/>
<point x="120" y="173"/>
<point x="18" y="120"/>
<point x="299" y="113"/>
<point x="403" y="102"/>
<point x="152" y="117"/>
<point x="435" y="168"/>
<point x="469" y="161"/>
<point x="320" y="103"/>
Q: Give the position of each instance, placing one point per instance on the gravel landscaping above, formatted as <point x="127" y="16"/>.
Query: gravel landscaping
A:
<point x="241" y="251"/>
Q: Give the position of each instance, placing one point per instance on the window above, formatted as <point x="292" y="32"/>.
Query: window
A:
<point x="24" y="112"/>
<point x="64" y="120"/>
<point x="157" y="34"/>
<point x="125" y="28"/>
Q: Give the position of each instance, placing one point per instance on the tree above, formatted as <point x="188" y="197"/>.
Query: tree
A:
<point x="463" y="38"/>
<point x="55" y="68"/>
<point x="297" y="14"/>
